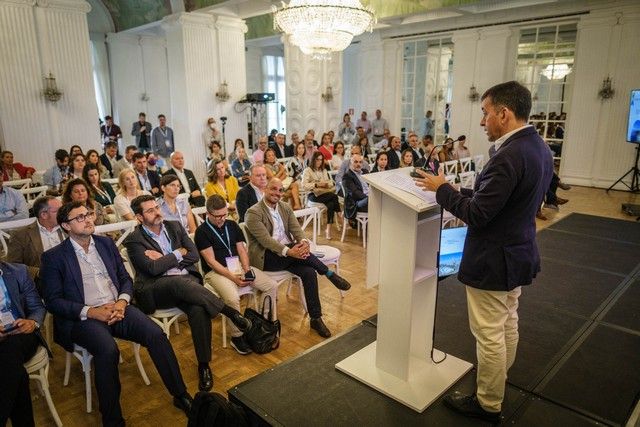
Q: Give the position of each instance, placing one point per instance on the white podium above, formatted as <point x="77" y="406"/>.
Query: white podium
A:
<point x="402" y="250"/>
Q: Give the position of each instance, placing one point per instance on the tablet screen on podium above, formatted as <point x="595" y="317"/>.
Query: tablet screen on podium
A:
<point x="451" y="245"/>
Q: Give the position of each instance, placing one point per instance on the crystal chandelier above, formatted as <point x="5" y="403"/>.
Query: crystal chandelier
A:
<point x="556" y="71"/>
<point x="320" y="27"/>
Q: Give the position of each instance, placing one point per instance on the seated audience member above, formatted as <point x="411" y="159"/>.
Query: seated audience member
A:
<point x="394" y="154"/>
<point x="56" y="176"/>
<point x="101" y="192"/>
<point x="360" y="133"/>
<point x="13" y="206"/>
<point x="240" y="167"/>
<point x="426" y="144"/>
<point x="347" y="164"/>
<point x="384" y="142"/>
<point x="27" y="244"/>
<point x="272" y="137"/>
<point x="77" y="190"/>
<point x="309" y="145"/>
<point x="233" y="155"/>
<point x="78" y="162"/>
<point x="298" y="163"/>
<point x="258" y="153"/>
<point x="128" y="189"/>
<point x="446" y="152"/>
<point x="365" y="146"/>
<point x="21" y="304"/>
<point x="152" y="162"/>
<point x="174" y="208"/>
<point x="326" y="147"/>
<point x="317" y="181"/>
<point x="110" y="158"/>
<point x="94" y="158"/>
<point x="251" y="194"/>
<point x="88" y="291"/>
<point x="346" y="130"/>
<point x="407" y="158"/>
<point x="148" y="180"/>
<point x="223" y="184"/>
<point x="295" y="139"/>
<point x="433" y="163"/>
<point x="356" y="190"/>
<point x="164" y="259"/>
<point x="13" y="171"/>
<point x="215" y="154"/>
<point x="461" y="151"/>
<point x="338" y="155"/>
<point x="416" y="151"/>
<point x="281" y="149"/>
<point x="276" y="169"/>
<point x="382" y="160"/>
<point x="125" y="162"/>
<point x="75" y="150"/>
<point x="276" y="242"/>
<point x="226" y="263"/>
<point x="187" y="179"/>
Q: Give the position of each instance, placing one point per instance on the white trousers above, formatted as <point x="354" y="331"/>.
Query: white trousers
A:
<point x="228" y="291"/>
<point x="493" y="319"/>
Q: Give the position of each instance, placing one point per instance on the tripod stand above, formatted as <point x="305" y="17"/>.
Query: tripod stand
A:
<point x="635" y="176"/>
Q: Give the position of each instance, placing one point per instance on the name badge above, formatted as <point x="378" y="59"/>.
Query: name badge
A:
<point x="233" y="264"/>
<point x="167" y="142"/>
<point x="7" y="320"/>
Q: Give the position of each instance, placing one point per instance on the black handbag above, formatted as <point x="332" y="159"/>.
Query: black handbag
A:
<point x="264" y="334"/>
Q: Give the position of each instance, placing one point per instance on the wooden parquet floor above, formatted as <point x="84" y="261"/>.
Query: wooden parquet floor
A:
<point x="151" y="405"/>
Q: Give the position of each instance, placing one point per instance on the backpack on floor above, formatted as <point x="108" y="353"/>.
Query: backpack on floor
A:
<point x="264" y="334"/>
<point x="214" y="410"/>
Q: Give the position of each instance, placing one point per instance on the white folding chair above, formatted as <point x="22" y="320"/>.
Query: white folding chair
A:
<point x="362" y="218"/>
<point x="18" y="183"/>
<point x="284" y="160"/>
<point x="199" y="213"/>
<point x="126" y="227"/>
<point x="250" y="292"/>
<point x="450" y="167"/>
<point x="6" y="227"/>
<point x="451" y="179"/>
<point x="467" y="179"/>
<point x="38" y="177"/>
<point x="465" y="164"/>
<point x="478" y="162"/>
<point x="32" y="193"/>
<point x="38" y="369"/>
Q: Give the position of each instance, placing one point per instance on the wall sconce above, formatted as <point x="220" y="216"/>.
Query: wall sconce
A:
<point x="473" y="93"/>
<point x="51" y="92"/>
<point x="222" y="94"/>
<point x="327" y="96"/>
<point x="144" y="97"/>
<point x="606" y="91"/>
<point x="439" y="96"/>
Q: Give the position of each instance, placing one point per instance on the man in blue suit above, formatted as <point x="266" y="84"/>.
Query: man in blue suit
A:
<point x="22" y="312"/>
<point x="88" y="291"/>
<point x="500" y="253"/>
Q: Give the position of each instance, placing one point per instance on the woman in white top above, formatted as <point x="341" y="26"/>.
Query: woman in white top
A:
<point x="128" y="190"/>
<point x="346" y="130"/>
<point x="338" y="155"/>
<point x="461" y="151"/>
<point x="174" y="208"/>
<point x="298" y="163"/>
<point x="322" y="189"/>
<point x="77" y="165"/>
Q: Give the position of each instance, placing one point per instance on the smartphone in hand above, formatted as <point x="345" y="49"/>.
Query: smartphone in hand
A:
<point x="249" y="276"/>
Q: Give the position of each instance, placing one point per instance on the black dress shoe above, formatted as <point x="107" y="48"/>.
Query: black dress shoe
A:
<point x="240" y="345"/>
<point x="183" y="402"/>
<point x="339" y="282"/>
<point x="319" y="326"/>
<point x="469" y="407"/>
<point x="241" y="322"/>
<point x="206" y="378"/>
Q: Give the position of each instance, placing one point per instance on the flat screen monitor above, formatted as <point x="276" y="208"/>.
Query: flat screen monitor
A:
<point x="633" y="123"/>
<point x="451" y="245"/>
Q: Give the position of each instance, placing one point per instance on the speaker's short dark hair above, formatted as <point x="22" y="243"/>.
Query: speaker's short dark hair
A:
<point x="63" y="212"/>
<point x="215" y="203"/>
<point x="137" y="156"/>
<point x="161" y="116"/>
<point x="142" y="114"/>
<point x="136" y="204"/>
<point x="512" y="95"/>
<point x="41" y="204"/>
<point x="61" y="154"/>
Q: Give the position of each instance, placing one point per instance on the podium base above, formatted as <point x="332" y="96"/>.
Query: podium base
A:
<point x="427" y="381"/>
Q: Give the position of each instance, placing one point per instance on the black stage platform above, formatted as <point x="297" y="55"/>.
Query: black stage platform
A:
<point x="578" y="357"/>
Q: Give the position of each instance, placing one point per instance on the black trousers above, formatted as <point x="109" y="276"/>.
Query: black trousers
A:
<point x="199" y="304"/>
<point x="15" y="397"/>
<point x="97" y="337"/>
<point x="330" y="200"/>
<point x="305" y="269"/>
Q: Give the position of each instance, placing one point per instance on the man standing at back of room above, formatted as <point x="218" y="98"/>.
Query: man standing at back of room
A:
<point x="500" y="252"/>
<point x="162" y="142"/>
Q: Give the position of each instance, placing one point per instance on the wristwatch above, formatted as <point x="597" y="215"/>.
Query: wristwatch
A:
<point x="37" y="325"/>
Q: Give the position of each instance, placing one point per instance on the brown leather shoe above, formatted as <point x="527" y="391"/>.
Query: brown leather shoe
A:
<point x="541" y="216"/>
<point x="319" y="326"/>
<point x="561" y="201"/>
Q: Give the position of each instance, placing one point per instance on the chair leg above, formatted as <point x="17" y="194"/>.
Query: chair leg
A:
<point x="166" y="327"/>
<point x="67" y="369"/>
<point x="86" y="367"/>
<point x="345" y="223"/>
<point x="44" y="384"/>
<point x="176" y="326"/>
<point x="223" y="320"/>
<point x="143" y="373"/>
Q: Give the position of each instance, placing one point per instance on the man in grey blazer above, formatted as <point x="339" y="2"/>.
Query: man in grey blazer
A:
<point x="277" y="242"/>
<point x="164" y="259"/>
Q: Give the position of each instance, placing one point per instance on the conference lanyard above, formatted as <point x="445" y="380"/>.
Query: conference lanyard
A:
<point x="159" y="241"/>
<point x="7" y="298"/>
<point x="226" y="244"/>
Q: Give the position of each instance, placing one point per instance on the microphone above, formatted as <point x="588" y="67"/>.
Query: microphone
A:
<point x="425" y="167"/>
<point x="223" y="119"/>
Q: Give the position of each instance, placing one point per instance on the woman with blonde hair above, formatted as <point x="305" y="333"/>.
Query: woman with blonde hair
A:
<point x="222" y="184"/>
<point x="129" y="189"/>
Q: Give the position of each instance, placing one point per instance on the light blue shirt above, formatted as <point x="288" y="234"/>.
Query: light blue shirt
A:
<point x="13" y="206"/>
<point x="164" y="242"/>
<point x="182" y="210"/>
<point x="53" y="176"/>
<point x="426" y="128"/>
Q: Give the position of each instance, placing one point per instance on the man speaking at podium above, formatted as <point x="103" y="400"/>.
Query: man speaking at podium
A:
<point x="500" y="253"/>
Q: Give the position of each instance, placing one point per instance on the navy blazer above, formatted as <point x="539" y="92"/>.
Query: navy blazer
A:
<point x="353" y="192"/>
<point x="107" y="164"/>
<point x="393" y="160"/>
<point x="26" y="302"/>
<point x="63" y="289"/>
<point x="244" y="200"/>
<point x="193" y="182"/>
<point x="500" y="251"/>
<point x="154" y="179"/>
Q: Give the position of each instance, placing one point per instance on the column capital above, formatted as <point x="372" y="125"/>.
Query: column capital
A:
<point x="466" y="35"/>
<point x="495" y="32"/>
<point x="132" y="39"/>
<point x="26" y="3"/>
<point x="230" y="23"/>
<point x="70" y="5"/>
<point x="188" y="19"/>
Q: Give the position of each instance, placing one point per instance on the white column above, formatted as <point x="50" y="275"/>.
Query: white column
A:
<point x="37" y="38"/>
<point x="232" y="69"/>
<point x="594" y="151"/>
<point x="370" y="78"/>
<point x="392" y="85"/>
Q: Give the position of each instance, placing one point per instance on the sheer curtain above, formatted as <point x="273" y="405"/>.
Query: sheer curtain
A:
<point x="101" y="80"/>
<point x="273" y="82"/>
